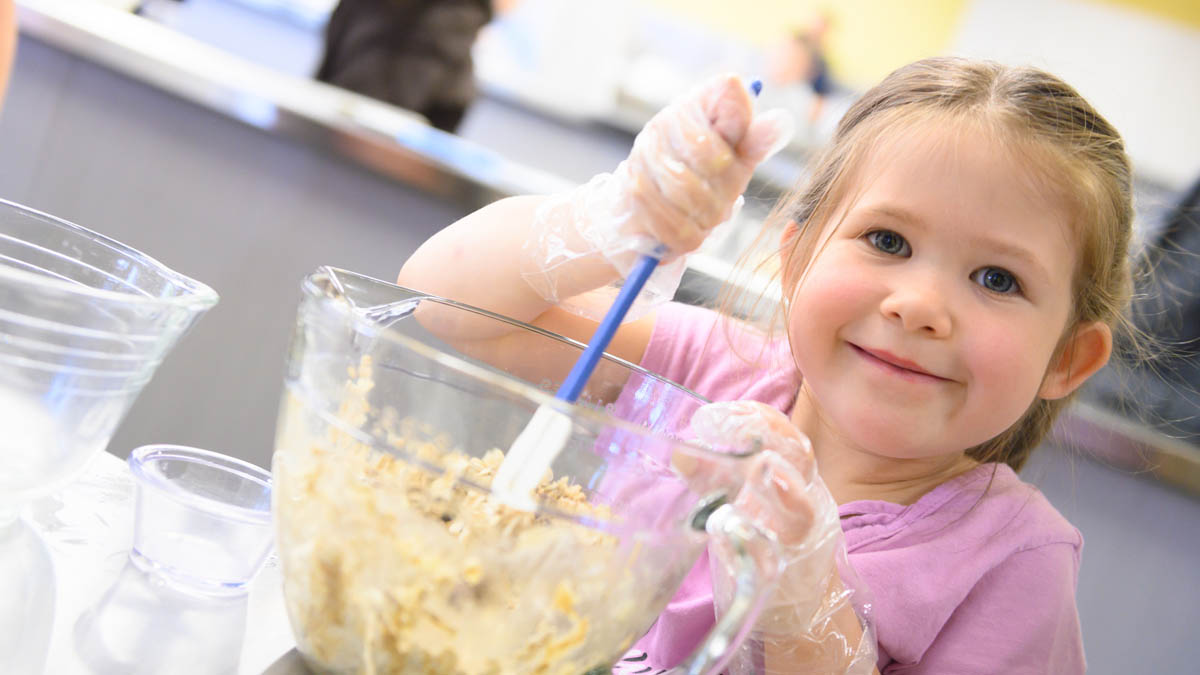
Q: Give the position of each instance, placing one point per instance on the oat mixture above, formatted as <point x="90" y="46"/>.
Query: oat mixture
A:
<point x="389" y="568"/>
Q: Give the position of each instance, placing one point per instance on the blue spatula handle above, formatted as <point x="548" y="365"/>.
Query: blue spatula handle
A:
<point x="572" y="387"/>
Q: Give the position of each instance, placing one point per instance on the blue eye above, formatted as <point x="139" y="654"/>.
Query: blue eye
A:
<point x="996" y="280"/>
<point x="889" y="242"/>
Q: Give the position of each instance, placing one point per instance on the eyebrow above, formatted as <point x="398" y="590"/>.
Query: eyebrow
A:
<point x="1011" y="250"/>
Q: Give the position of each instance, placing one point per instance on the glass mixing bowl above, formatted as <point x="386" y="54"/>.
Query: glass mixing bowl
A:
<point x="396" y="411"/>
<point x="84" y="323"/>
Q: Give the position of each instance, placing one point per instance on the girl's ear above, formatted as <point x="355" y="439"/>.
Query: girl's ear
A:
<point x="1086" y="351"/>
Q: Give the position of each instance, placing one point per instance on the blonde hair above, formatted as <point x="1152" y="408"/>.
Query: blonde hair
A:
<point x="1067" y="145"/>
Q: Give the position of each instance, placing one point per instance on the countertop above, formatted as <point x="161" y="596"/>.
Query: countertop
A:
<point x="109" y="617"/>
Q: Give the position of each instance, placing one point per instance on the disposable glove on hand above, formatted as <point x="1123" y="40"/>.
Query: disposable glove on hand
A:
<point x="815" y="621"/>
<point x="683" y="177"/>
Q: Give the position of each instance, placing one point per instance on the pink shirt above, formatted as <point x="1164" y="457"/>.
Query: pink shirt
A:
<point x="977" y="576"/>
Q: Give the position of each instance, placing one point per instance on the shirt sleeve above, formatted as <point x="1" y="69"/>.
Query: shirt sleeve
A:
<point x="1019" y="618"/>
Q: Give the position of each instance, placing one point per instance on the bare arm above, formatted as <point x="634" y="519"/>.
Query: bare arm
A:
<point x="476" y="260"/>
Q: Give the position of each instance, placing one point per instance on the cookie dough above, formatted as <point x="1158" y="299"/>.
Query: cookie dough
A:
<point x="398" y="560"/>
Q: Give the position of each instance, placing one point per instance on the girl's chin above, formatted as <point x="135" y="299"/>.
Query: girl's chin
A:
<point x="900" y="441"/>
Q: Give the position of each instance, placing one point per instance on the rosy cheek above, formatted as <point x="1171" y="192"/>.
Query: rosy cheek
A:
<point x="1002" y="358"/>
<point x="825" y="304"/>
<point x="831" y="289"/>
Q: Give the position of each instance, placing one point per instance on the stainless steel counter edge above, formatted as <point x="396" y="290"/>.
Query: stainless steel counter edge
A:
<point x="387" y="139"/>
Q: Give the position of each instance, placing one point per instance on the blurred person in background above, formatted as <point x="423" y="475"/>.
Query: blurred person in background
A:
<point x="8" y="43"/>
<point x="415" y="54"/>
<point x="799" y="59"/>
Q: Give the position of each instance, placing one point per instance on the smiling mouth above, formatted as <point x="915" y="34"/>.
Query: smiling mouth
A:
<point x="896" y="366"/>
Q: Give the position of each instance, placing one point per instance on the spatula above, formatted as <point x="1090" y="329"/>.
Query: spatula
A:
<point x="540" y="442"/>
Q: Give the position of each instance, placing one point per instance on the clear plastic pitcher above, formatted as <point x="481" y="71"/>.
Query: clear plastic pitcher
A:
<point x="396" y="412"/>
<point x="84" y="322"/>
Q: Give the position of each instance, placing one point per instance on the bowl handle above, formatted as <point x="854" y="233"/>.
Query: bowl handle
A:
<point x="758" y="564"/>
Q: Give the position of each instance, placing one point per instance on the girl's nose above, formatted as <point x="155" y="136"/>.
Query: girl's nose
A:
<point x="919" y="307"/>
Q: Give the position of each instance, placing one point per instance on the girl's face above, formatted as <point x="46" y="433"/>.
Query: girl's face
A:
<point x="927" y="320"/>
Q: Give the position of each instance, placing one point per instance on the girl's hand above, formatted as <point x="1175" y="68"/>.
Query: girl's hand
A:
<point x="694" y="159"/>
<point x="777" y="482"/>
<point x="683" y="177"/>
<point x="808" y="623"/>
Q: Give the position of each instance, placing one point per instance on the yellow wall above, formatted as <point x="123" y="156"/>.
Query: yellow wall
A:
<point x="1186" y="12"/>
<point x="867" y="38"/>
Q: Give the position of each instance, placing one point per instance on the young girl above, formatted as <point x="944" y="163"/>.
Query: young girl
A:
<point x="952" y="272"/>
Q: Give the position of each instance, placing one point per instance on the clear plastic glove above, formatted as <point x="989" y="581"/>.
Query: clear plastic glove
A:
<point x="818" y="619"/>
<point x="684" y="176"/>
